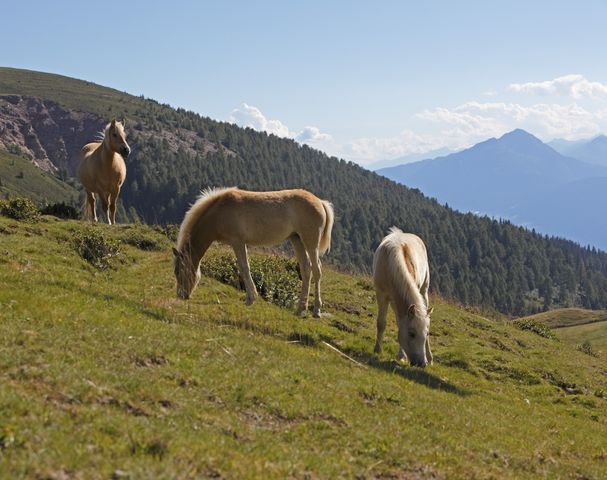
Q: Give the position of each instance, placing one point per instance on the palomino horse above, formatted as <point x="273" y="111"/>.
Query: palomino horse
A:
<point x="240" y="218"/>
<point x="402" y="276"/>
<point x="102" y="170"/>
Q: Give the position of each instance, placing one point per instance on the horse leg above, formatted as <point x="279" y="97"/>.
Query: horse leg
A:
<point x="105" y="205"/>
<point x="91" y="204"/>
<point x="113" y="201"/>
<point x="304" y="266"/>
<point x="429" y="356"/>
<point x="316" y="274"/>
<point x="245" y="273"/>
<point x="382" y="315"/>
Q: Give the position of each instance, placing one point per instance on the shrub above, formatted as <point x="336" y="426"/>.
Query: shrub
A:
<point x="170" y="231"/>
<point x="96" y="248"/>
<point x="20" y="208"/>
<point x="61" y="210"/>
<point x="141" y="241"/>
<point x="535" y="327"/>
<point x="276" y="278"/>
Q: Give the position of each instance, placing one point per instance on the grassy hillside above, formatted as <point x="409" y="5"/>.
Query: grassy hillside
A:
<point x="477" y="261"/>
<point x="104" y="372"/>
<point x="19" y="177"/>
<point x="568" y="317"/>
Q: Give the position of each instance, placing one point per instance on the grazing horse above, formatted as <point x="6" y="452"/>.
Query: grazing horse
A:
<point x="239" y="218"/>
<point x="402" y="276"/>
<point x="102" y="170"/>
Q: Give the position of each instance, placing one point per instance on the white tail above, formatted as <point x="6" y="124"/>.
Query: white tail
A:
<point x="325" y="240"/>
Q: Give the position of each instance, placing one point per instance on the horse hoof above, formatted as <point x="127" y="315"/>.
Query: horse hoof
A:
<point x="316" y="314"/>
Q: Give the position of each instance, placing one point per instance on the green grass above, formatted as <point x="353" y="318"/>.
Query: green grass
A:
<point x="19" y="177"/>
<point x="105" y="372"/>
<point x="595" y="333"/>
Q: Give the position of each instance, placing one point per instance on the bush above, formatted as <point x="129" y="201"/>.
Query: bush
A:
<point x="95" y="248"/>
<point x="276" y="278"/>
<point x="141" y="241"/>
<point x="535" y="327"/>
<point x="171" y="231"/>
<point x="20" y="208"/>
<point x="61" y="210"/>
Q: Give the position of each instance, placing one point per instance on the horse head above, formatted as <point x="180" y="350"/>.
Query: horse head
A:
<point x="413" y="337"/>
<point x="187" y="274"/>
<point x="116" y="138"/>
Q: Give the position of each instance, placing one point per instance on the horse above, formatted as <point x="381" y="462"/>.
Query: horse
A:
<point x="239" y="218"/>
<point x="401" y="276"/>
<point x="102" y="170"/>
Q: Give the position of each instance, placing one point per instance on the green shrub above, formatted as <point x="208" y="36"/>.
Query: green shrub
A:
<point x="96" y="248"/>
<point x="20" y="208"/>
<point x="141" y="241"/>
<point x="276" y="278"/>
<point x="171" y="231"/>
<point x="61" y="210"/>
<point x="535" y="327"/>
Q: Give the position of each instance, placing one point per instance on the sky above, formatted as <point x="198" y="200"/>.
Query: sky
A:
<point x="365" y="81"/>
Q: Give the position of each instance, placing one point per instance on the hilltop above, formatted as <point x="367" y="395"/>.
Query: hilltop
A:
<point x="176" y="153"/>
<point x="103" y="371"/>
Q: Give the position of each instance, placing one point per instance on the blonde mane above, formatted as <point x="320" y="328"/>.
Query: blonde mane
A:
<point x="206" y="198"/>
<point x="399" y="269"/>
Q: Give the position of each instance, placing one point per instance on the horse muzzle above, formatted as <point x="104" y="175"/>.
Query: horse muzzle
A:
<point x="125" y="151"/>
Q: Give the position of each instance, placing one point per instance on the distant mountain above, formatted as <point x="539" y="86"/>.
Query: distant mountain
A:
<point x="413" y="157"/>
<point x="591" y="151"/>
<point x="492" y="176"/>
<point x="519" y="178"/>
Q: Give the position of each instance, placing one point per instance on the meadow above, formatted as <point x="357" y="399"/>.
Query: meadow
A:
<point x="104" y="373"/>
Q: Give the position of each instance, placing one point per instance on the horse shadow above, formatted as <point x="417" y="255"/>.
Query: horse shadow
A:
<point x="418" y="375"/>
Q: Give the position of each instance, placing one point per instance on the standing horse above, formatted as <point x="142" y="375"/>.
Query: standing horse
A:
<point x="402" y="276"/>
<point x="102" y="170"/>
<point x="240" y="218"/>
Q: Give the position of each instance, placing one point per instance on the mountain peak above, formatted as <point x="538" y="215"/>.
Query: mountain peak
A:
<point x="518" y="134"/>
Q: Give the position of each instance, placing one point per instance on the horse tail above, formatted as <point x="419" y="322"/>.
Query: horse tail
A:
<point x="325" y="239"/>
<point x="85" y="208"/>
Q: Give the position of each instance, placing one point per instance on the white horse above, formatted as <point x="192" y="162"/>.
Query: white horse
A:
<point x="240" y="218"/>
<point x="402" y="276"/>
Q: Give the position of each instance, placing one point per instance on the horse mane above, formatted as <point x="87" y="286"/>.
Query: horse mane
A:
<point x="399" y="270"/>
<point x="102" y="134"/>
<point x="204" y="201"/>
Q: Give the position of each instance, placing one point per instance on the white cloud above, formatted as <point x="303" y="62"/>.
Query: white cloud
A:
<point x="574" y="86"/>
<point x="250" y="116"/>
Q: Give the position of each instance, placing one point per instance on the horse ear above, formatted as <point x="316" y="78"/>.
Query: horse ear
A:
<point x="176" y="252"/>
<point x="113" y="124"/>
<point x="411" y="311"/>
<point x="430" y="310"/>
<point x="123" y="121"/>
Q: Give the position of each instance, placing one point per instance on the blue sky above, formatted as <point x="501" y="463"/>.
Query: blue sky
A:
<point x="362" y="80"/>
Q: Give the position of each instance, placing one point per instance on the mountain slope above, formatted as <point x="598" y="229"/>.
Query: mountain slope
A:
<point x="177" y="153"/>
<point x="18" y="177"/>
<point x="154" y="387"/>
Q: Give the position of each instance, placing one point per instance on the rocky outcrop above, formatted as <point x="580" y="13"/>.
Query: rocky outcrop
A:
<point x="50" y="135"/>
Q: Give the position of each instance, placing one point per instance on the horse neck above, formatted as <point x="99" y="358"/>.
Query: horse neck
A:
<point x="409" y="293"/>
<point x="200" y="239"/>
<point x="107" y="154"/>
